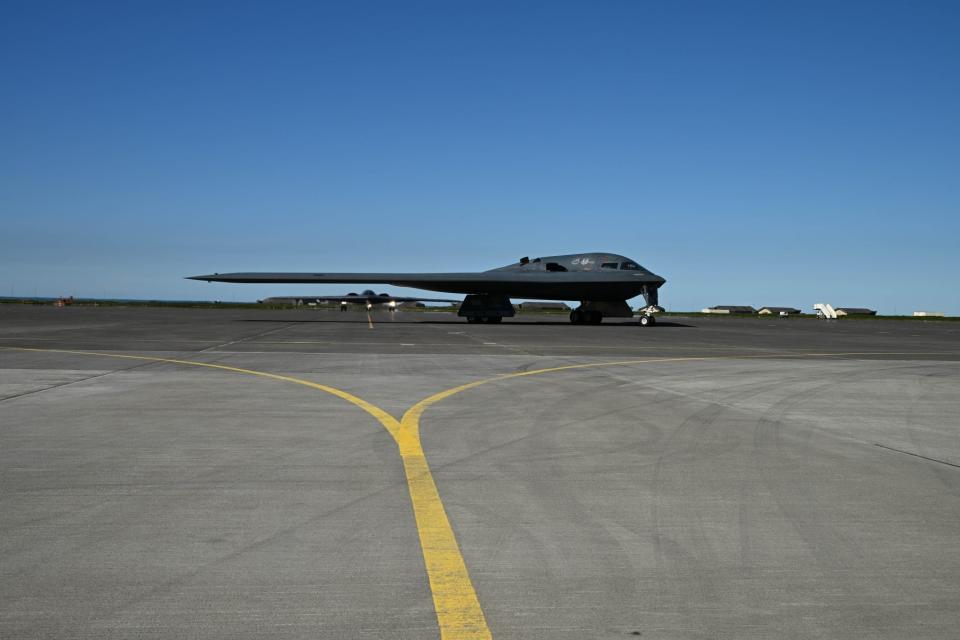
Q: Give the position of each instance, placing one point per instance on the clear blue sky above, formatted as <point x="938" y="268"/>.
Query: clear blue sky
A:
<point x="751" y="153"/>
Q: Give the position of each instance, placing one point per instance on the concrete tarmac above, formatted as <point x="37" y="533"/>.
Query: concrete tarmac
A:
<point x="704" y="478"/>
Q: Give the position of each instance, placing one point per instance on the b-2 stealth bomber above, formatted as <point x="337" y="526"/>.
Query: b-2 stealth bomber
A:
<point x="369" y="298"/>
<point x="602" y="282"/>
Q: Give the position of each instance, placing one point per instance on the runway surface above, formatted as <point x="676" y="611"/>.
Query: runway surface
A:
<point x="314" y="474"/>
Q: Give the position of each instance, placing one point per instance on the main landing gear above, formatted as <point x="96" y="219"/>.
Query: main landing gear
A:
<point x="594" y="311"/>
<point x="485" y="308"/>
<point x="578" y="316"/>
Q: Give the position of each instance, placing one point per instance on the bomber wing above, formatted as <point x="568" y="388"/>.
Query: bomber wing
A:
<point x="446" y="282"/>
<point x="400" y="279"/>
<point x="543" y="285"/>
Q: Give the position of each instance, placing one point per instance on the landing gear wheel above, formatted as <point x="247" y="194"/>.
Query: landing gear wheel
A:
<point x="647" y="321"/>
<point x="472" y="319"/>
<point x="494" y="319"/>
<point x="579" y="316"/>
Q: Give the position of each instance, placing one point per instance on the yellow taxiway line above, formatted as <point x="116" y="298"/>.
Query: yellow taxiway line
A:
<point x="458" y="610"/>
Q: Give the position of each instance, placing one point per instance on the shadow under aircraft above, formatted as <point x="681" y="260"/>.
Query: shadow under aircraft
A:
<point x="368" y="298"/>
<point x="602" y="282"/>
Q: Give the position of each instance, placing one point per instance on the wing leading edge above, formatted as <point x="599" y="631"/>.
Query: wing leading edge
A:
<point x="400" y="279"/>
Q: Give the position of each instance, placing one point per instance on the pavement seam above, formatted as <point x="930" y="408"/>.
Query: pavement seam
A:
<point x="250" y="337"/>
<point x="72" y="382"/>
<point x="916" y="455"/>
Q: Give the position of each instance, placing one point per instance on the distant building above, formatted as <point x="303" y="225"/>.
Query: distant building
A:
<point x="729" y="308"/>
<point x="929" y="314"/>
<point x="855" y="311"/>
<point x="777" y="311"/>
<point x="544" y="306"/>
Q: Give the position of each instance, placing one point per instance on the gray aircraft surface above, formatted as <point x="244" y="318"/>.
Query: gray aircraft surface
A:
<point x="368" y="298"/>
<point x="602" y="282"/>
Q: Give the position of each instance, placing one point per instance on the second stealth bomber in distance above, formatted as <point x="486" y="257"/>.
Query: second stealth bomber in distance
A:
<point x="602" y="282"/>
<point x="368" y="298"/>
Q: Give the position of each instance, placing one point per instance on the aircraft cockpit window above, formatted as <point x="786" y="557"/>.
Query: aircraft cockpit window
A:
<point x="553" y="266"/>
<point x="630" y="266"/>
<point x="608" y="265"/>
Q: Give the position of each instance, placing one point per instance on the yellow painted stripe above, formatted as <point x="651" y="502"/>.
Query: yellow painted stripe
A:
<point x="369" y="320"/>
<point x="454" y="598"/>
<point x="459" y="615"/>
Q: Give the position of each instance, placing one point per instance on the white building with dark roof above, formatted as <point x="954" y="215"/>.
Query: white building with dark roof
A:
<point x="778" y="311"/>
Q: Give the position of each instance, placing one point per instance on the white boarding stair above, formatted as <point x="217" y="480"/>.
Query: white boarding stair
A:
<point x="824" y="310"/>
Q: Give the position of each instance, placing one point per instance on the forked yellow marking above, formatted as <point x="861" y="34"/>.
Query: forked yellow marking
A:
<point x="458" y="610"/>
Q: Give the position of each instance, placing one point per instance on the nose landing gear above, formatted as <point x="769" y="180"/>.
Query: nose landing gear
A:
<point x="650" y="296"/>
